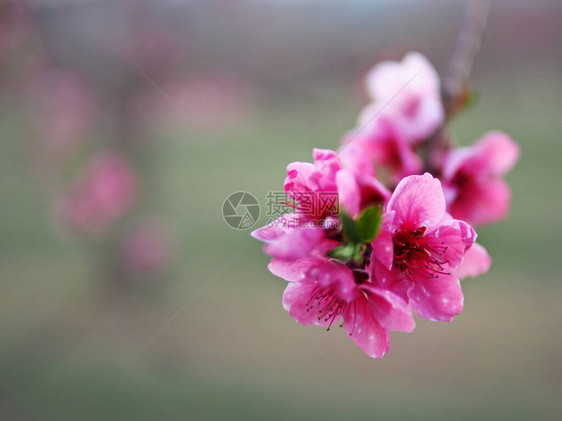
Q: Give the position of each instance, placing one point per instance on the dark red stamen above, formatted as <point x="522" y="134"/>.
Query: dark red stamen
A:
<point x="326" y="303"/>
<point x="415" y="253"/>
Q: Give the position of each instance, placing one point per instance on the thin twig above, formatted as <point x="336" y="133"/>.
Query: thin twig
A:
<point x="454" y="88"/>
<point x="468" y="45"/>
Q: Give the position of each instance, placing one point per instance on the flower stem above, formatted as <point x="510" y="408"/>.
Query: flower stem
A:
<point x="454" y="91"/>
<point x="468" y="45"/>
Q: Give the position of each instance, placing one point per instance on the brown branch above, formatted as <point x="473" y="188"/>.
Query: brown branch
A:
<point x="454" y="91"/>
<point x="455" y="83"/>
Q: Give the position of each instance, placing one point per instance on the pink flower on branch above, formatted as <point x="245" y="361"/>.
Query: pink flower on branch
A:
<point x="380" y="146"/>
<point x="328" y="292"/>
<point x="326" y="263"/>
<point x="413" y="255"/>
<point x="382" y="255"/>
<point x="410" y="92"/>
<point x="295" y="235"/>
<point x="472" y="178"/>
<point x="106" y="191"/>
<point x="429" y="247"/>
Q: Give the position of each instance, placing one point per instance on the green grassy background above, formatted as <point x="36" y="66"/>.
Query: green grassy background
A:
<point x="70" y="350"/>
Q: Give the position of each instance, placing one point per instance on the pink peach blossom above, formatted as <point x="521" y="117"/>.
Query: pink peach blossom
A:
<point x="358" y="191"/>
<point x="323" y="290"/>
<point x="354" y="190"/>
<point x="305" y="178"/>
<point x="384" y="146"/>
<point x="328" y="291"/>
<point x="146" y="248"/>
<point x="385" y="254"/>
<point x="472" y="178"/>
<point x="476" y="262"/>
<point x="409" y="91"/>
<point x="63" y="108"/>
<point x="105" y="192"/>
<point x="429" y="246"/>
<point x="290" y="236"/>
<point x="295" y="235"/>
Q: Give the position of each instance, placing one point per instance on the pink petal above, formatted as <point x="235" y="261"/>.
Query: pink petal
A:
<point x="482" y="202"/>
<point x="326" y="158"/>
<point x="295" y="300"/>
<point x="390" y="279"/>
<point x="366" y="120"/>
<point x="354" y="155"/>
<point x="476" y="262"/>
<point x="438" y="299"/>
<point x="298" y="177"/>
<point x="428" y="117"/>
<point x="409" y="162"/>
<point x="498" y="151"/>
<point x="364" y="330"/>
<point x="457" y="236"/>
<point x="296" y="243"/>
<point x="454" y="160"/>
<point x="335" y="276"/>
<point x="383" y="244"/>
<point x="356" y="192"/>
<point x="409" y="92"/>
<point x="384" y="144"/>
<point x="391" y="311"/>
<point x="414" y="74"/>
<point x="294" y="270"/>
<point x="276" y="228"/>
<point x="303" y="177"/>
<point x="418" y="201"/>
<point x="289" y="237"/>
<point x="327" y="165"/>
<point x="427" y="79"/>
<point x="349" y="192"/>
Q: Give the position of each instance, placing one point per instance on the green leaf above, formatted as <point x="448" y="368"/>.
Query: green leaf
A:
<point x="472" y="99"/>
<point x="368" y="224"/>
<point x="350" y="228"/>
<point x="347" y="253"/>
<point x="344" y="253"/>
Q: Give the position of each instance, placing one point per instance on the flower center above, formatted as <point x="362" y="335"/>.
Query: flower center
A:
<point x="411" y="106"/>
<point x="416" y="254"/>
<point x="326" y="303"/>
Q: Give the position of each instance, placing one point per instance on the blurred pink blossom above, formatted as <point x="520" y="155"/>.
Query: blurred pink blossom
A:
<point x="63" y="108"/>
<point x="146" y="249"/>
<point x="382" y="145"/>
<point x="104" y="193"/>
<point x="472" y="178"/>
<point x="211" y="100"/>
<point x="407" y="91"/>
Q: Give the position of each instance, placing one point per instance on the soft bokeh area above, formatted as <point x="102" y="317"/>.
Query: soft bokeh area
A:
<point x="124" y="294"/>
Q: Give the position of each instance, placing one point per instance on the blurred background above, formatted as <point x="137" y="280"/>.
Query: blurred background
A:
<point x="124" y="125"/>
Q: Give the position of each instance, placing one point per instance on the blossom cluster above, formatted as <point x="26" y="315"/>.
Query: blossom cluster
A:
<point x="105" y="193"/>
<point x="408" y="200"/>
